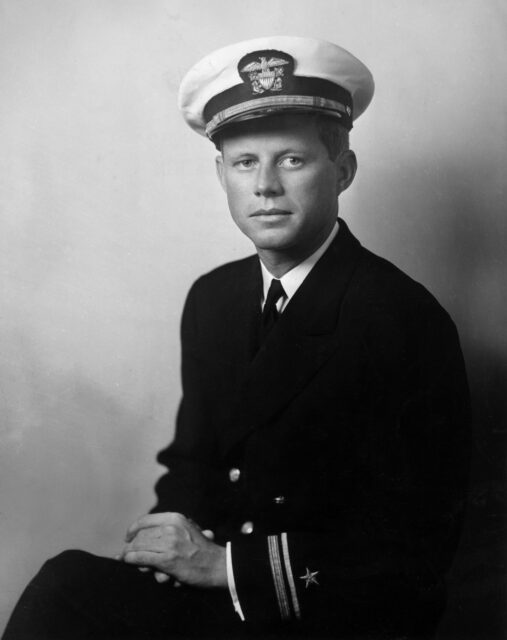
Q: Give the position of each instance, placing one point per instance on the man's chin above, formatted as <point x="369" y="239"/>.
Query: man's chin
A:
<point x="272" y="240"/>
<point x="274" y="246"/>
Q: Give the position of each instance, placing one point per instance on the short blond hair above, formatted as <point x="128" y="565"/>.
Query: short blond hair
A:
<point x="333" y="135"/>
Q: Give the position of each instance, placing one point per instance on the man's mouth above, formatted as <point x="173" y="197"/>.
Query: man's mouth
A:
<point x="270" y="212"/>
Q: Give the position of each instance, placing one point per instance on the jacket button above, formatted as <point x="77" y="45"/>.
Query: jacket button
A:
<point x="247" y="528"/>
<point x="234" y="474"/>
<point x="279" y="500"/>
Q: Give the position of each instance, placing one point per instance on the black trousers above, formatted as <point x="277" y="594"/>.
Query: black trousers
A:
<point x="77" y="595"/>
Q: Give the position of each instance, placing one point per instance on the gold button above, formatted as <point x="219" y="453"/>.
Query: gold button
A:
<point x="234" y="474"/>
<point x="279" y="499"/>
<point x="247" y="528"/>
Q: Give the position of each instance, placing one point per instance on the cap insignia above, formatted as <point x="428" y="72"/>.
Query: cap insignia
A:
<point x="266" y="70"/>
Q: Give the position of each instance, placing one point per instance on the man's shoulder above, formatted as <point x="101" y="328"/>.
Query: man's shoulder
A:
<point x="386" y="278"/>
<point x="375" y="282"/>
<point x="381" y="287"/>
<point x="227" y="277"/>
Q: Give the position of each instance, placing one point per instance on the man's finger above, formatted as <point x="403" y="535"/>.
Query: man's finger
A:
<point x="161" y="577"/>
<point x="142" y="558"/>
<point x="154" y="540"/>
<point x="153" y="520"/>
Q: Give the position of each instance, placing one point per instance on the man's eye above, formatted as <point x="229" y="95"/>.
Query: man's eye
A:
<point x="291" y="162"/>
<point x="247" y="163"/>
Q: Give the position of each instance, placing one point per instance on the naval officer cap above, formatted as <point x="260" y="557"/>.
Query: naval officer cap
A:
<point x="279" y="74"/>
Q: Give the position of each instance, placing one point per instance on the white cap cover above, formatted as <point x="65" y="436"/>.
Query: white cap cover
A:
<point x="264" y="76"/>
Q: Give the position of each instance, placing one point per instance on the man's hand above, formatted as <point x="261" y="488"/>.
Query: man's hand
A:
<point x="171" y="544"/>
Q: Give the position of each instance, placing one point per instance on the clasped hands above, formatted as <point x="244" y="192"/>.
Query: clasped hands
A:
<point x="172" y="545"/>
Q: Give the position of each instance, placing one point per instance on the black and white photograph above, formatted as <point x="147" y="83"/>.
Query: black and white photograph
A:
<point x="253" y="344"/>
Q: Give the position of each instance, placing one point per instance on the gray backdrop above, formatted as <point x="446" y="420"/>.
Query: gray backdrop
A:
<point x="110" y="208"/>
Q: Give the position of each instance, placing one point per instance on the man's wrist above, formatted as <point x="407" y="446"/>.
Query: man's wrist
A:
<point x="219" y="577"/>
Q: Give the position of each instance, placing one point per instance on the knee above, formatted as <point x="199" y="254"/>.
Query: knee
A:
<point x="69" y="558"/>
<point x="63" y="569"/>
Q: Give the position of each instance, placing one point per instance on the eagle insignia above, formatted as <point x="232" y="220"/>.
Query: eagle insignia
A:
<point x="265" y="70"/>
<point x="265" y="75"/>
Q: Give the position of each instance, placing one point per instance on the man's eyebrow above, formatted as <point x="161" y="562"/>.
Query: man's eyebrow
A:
<point x="241" y="153"/>
<point x="294" y="150"/>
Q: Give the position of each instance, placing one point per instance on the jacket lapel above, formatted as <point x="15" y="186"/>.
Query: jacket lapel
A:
<point x="245" y="313"/>
<point x="302" y="340"/>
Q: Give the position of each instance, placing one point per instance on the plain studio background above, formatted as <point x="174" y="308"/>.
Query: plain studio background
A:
<point x="110" y="208"/>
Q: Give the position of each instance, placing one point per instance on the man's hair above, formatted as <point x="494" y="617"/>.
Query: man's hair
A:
<point x="333" y="135"/>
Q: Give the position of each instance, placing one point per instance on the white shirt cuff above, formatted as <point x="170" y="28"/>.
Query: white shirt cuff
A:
<point x="231" y="583"/>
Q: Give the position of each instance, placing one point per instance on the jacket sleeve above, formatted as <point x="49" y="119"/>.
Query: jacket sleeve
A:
<point x="384" y="560"/>
<point x="188" y="486"/>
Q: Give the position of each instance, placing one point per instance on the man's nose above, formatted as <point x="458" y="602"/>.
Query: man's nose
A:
<point x="267" y="182"/>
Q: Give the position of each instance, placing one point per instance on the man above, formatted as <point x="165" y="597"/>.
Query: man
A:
<point x="316" y="480"/>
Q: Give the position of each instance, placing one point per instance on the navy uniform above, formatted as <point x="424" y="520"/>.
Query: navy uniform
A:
<point x="330" y="457"/>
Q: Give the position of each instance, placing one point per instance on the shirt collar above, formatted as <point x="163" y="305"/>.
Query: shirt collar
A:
<point x="294" y="278"/>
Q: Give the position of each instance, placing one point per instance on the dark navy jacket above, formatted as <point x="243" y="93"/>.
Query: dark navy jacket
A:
<point x="349" y="428"/>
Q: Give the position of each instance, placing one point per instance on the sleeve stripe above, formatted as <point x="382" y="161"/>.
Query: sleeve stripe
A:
<point x="290" y="576"/>
<point x="276" y="570"/>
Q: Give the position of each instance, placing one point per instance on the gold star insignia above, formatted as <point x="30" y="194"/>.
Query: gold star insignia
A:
<point x="309" y="577"/>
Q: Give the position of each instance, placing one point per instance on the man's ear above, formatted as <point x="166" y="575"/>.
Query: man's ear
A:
<point x="219" y="165"/>
<point x="346" y="167"/>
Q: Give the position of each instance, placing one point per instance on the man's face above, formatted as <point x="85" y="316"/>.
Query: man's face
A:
<point x="281" y="185"/>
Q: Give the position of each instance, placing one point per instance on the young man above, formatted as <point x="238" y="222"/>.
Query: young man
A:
<point x="316" y="480"/>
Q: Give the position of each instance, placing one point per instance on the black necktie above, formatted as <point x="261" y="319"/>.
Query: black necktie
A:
<point x="270" y="312"/>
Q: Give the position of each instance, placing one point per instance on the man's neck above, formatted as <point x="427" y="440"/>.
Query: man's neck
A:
<point x="278" y="263"/>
